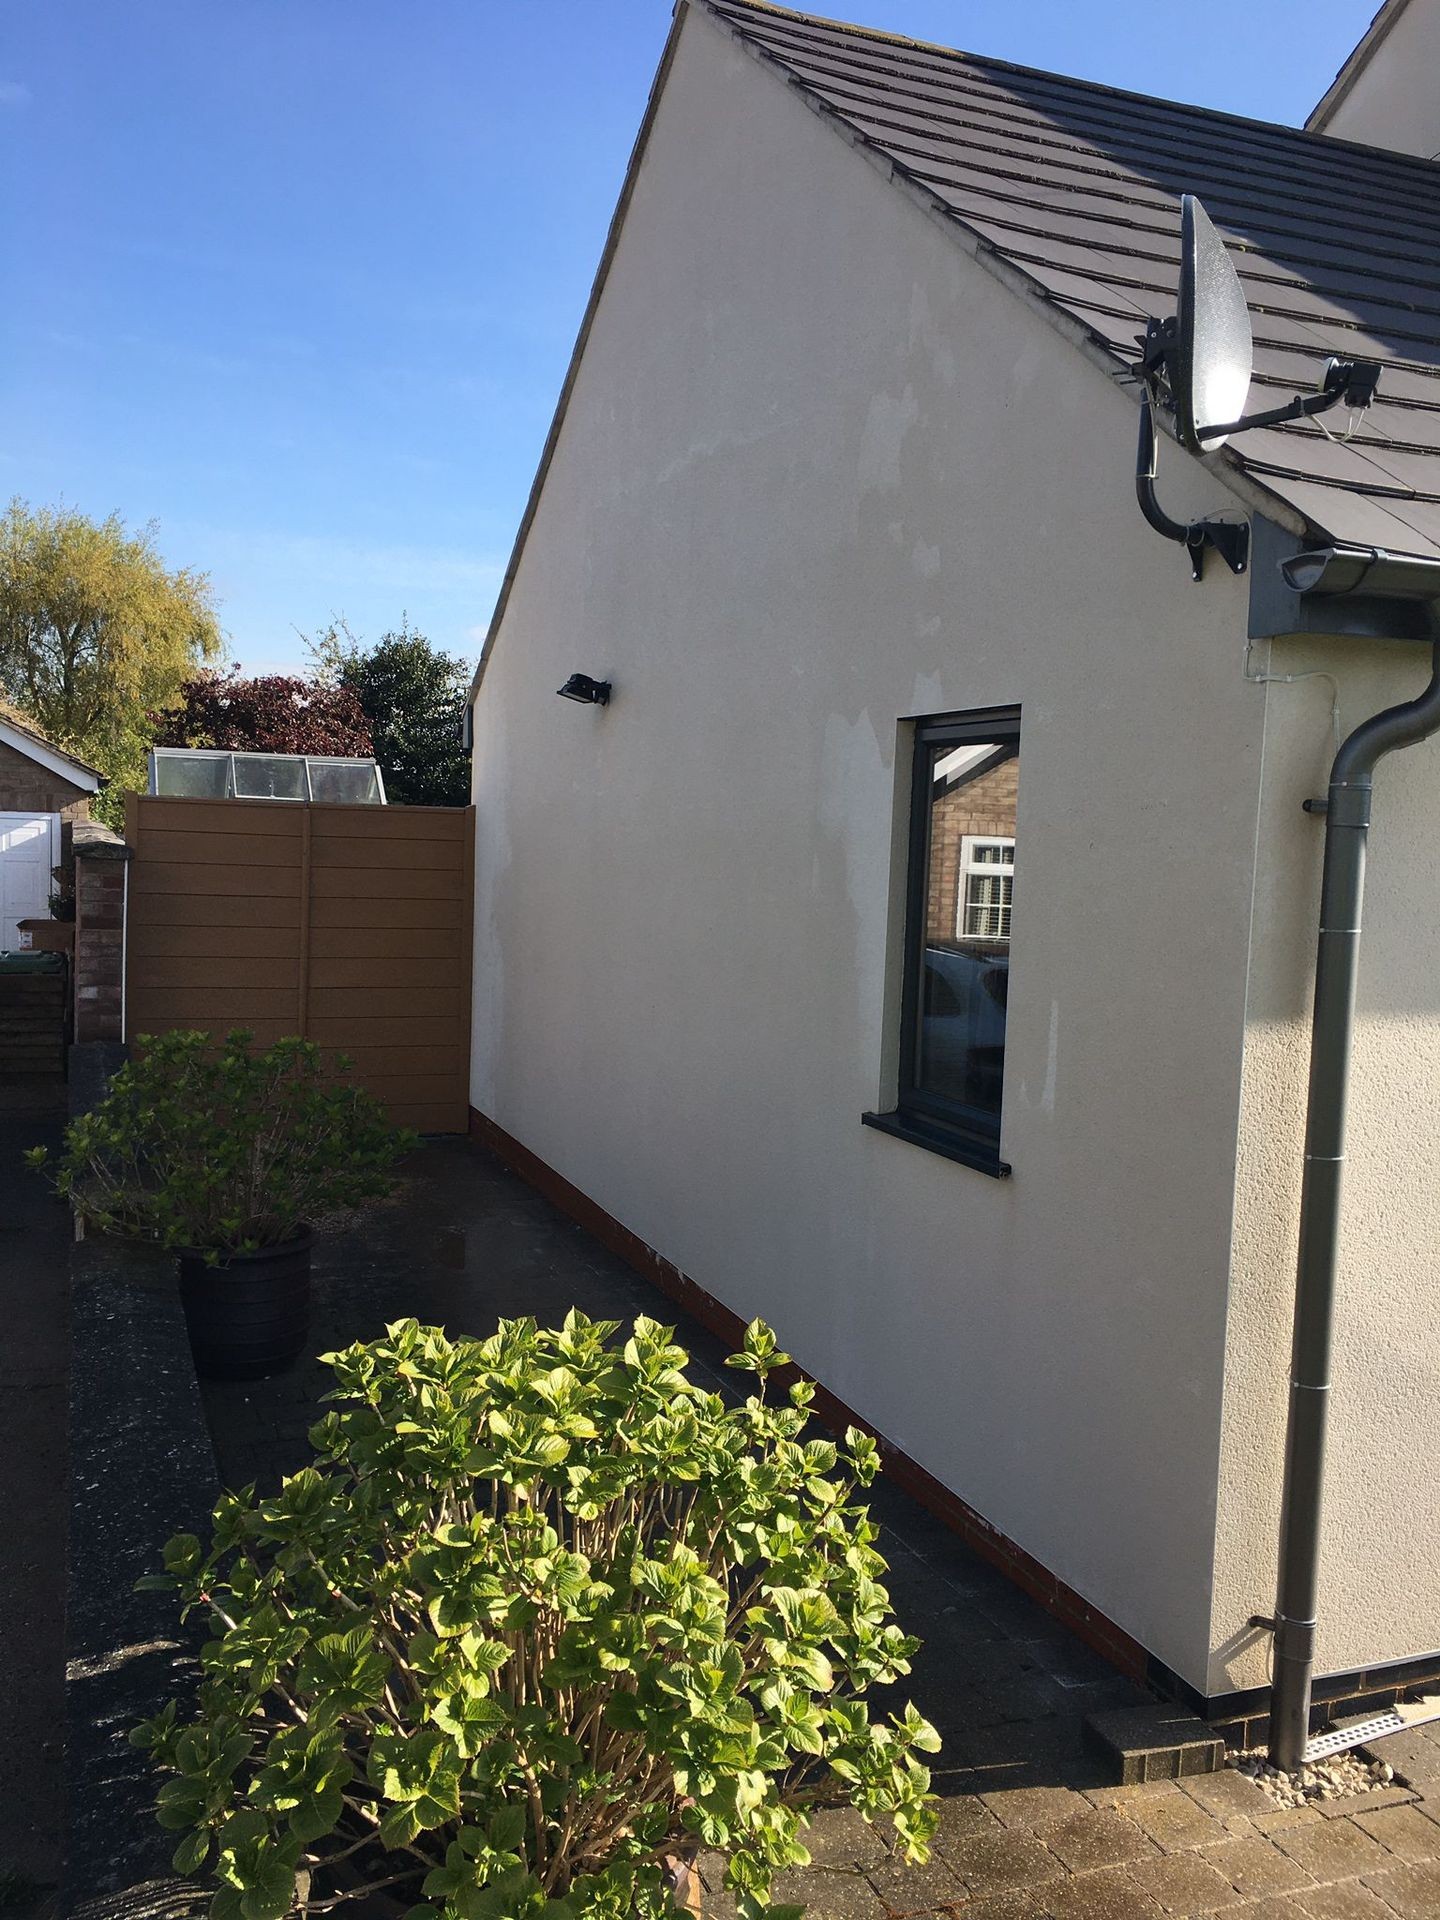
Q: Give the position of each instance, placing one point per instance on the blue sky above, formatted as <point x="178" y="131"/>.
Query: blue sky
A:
<point x="298" y="279"/>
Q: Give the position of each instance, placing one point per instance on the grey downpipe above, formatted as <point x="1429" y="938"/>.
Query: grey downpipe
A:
<point x="1347" y="824"/>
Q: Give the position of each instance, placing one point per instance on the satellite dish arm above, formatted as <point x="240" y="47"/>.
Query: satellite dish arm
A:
<point x="1230" y="539"/>
<point x="1145" y="467"/>
<point x="1353" y="381"/>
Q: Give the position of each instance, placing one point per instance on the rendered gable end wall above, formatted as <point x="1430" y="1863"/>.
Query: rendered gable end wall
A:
<point x="1389" y="94"/>
<point x="819" y="472"/>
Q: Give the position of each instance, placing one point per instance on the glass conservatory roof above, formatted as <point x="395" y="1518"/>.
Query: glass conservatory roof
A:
<point x="211" y="773"/>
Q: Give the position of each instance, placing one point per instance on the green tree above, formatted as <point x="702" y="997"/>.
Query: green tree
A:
<point x="97" y="634"/>
<point x="413" y="696"/>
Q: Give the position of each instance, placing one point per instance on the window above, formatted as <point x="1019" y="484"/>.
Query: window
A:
<point x="959" y="897"/>
<point x="987" y="870"/>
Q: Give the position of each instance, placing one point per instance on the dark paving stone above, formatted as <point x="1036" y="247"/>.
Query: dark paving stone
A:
<point x="1108" y="1894"/>
<point x="1333" y="1849"/>
<point x="1091" y="1838"/>
<point x="935" y="1887"/>
<point x="1031" y="1807"/>
<point x="1351" y="1900"/>
<point x="1412" y="1892"/>
<point x="1182" y="1883"/>
<point x="1402" y="1830"/>
<point x="1227" y="1794"/>
<point x="1176" y="1823"/>
<point x="997" y="1862"/>
<point x="1256" y="1867"/>
<point x="829" y="1896"/>
<point x="1004" y="1906"/>
<point x="841" y="1837"/>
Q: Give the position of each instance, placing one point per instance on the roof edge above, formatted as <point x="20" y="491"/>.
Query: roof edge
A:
<point x="1361" y="55"/>
<point x="53" y="758"/>
<point x="1224" y="464"/>
<point x="582" y="339"/>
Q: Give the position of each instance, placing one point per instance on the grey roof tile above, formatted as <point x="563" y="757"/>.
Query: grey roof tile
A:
<point x="1078" y="186"/>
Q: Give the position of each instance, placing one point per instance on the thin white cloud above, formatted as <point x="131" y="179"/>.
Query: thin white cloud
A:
<point x="321" y="558"/>
<point x="14" y="94"/>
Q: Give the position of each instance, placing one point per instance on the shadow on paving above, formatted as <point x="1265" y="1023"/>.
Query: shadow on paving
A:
<point x="34" y="1239"/>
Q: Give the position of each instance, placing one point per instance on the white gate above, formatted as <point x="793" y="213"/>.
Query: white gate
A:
<point x="29" y="849"/>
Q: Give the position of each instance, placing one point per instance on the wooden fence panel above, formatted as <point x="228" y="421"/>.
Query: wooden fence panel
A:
<point x="348" y="925"/>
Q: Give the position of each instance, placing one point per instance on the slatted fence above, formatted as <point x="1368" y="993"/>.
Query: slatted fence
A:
<point x="349" y="925"/>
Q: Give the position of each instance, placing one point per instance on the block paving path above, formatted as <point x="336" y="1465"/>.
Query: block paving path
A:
<point x="1029" y="1829"/>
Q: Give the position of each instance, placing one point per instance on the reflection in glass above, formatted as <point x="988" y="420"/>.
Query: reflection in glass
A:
<point x="965" y="956"/>
<point x="269" y="776"/>
<point x="196" y="776"/>
<point x="344" y="780"/>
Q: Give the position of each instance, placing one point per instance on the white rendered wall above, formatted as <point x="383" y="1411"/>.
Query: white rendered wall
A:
<point x="1395" y="99"/>
<point x="1381" y="1545"/>
<point x="819" y="472"/>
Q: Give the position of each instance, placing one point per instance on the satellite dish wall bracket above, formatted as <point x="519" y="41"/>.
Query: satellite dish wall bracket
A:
<point x="1229" y="538"/>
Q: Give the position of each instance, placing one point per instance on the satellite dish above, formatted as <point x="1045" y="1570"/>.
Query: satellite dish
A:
<point x="1213" y="345"/>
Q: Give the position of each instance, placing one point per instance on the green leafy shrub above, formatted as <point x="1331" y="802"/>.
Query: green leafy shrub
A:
<point x="225" y="1148"/>
<point x="544" y="1619"/>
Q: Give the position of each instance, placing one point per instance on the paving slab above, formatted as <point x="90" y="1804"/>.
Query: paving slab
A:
<point x="1175" y="1823"/>
<point x="841" y="1837"/>
<point x="997" y="1862"/>
<point x="1412" y="1892"/>
<point x="1226" y="1793"/>
<point x="831" y="1896"/>
<point x="1183" y="1883"/>
<point x="1034" y="1806"/>
<point x="1402" y="1830"/>
<point x="1107" y="1894"/>
<point x="1332" y="1849"/>
<point x="1343" y="1900"/>
<point x="1256" y="1867"/>
<point x="1094" y="1838"/>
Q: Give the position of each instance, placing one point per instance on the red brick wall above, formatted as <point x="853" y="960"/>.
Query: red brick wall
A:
<point x="99" y="944"/>
<point x="986" y="806"/>
<point x="27" y="787"/>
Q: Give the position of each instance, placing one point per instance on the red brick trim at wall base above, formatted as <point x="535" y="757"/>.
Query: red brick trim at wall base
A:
<point x="1078" y="1615"/>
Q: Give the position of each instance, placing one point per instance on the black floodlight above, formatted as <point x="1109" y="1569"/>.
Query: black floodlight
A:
<point x="590" y="693"/>
<point x="1197" y="367"/>
<point x="1211" y="363"/>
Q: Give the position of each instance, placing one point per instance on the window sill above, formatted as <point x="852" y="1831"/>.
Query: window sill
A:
<point x="953" y="1146"/>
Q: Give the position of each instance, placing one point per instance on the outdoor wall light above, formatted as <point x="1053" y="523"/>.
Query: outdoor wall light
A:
<point x="590" y="693"/>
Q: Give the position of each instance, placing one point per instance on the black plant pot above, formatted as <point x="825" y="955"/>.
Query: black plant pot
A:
<point x="250" y="1315"/>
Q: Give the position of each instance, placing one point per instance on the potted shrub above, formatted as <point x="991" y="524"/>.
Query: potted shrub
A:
<point x="226" y="1155"/>
<point x="544" y="1620"/>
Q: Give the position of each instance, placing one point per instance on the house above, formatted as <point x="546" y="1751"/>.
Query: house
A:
<point x="917" y="950"/>
<point x="43" y="790"/>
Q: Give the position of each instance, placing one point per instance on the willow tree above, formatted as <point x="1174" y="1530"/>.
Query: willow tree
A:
<point x="97" y="634"/>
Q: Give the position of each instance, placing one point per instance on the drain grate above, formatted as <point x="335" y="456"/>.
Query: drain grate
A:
<point x="1360" y="1733"/>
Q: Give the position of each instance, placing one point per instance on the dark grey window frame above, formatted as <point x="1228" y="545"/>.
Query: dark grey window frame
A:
<point x="923" y="1118"/>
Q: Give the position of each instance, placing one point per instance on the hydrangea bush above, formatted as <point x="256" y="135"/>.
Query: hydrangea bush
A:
<point x="545" y="1619"/>
<point x="224" y="1146"/>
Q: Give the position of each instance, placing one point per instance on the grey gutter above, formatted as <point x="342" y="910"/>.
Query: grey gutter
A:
<point x="1330" y="572"/>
